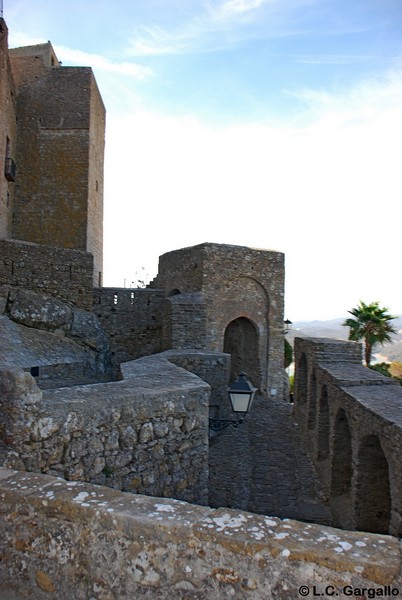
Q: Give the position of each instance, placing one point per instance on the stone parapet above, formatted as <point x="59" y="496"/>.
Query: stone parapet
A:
<point x="147" y="433"/>
<point x="134" y="320"/>
<point x="63" y="540"/>
<point x="62" y="273"/>
<point x="350" y="418"/>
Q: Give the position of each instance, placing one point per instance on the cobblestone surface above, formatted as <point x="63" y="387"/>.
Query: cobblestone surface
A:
<point x="262" y="466"/>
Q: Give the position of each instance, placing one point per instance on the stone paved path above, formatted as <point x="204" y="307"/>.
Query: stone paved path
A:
<point x="262" y="467"/>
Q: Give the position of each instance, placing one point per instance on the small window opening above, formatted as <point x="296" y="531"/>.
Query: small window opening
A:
<point x="174" y="292"/>
<point x="35" y="371"/>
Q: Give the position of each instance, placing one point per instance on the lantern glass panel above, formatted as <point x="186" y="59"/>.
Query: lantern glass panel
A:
<point x="241" y="402"/>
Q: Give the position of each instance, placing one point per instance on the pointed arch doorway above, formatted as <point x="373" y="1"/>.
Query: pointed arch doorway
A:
<point x="241" y="342"/>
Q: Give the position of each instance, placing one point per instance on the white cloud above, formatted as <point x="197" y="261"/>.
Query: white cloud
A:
<point x="96" y="61"/>
<point x="202" y="32"/>
<point x="327" y="194"/>
<point x="80" y="58"/>
<point x="240" y="6"/>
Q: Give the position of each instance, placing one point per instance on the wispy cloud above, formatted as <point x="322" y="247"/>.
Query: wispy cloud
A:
<point x="80" y="58"/>
<point x="96" y="61"/>
<point x="370" y="101"/>
<point x="232" y="8"/>
<point x="334" y="59"/>
<point x="242" y="5"/>
<point x="201" y="32"/>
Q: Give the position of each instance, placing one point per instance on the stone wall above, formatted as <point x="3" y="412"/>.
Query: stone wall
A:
<point x="351" y="420"/>
<point x="61" y="273"/>
<point x="7" y="134"/>
<point x="212" y="367"/>
<point x="63" y="540"/>
<point x="147" y="433"/>
<point x="133" y="320"/>
<point x="219" y="285"/>
<point x="60" y="147"/>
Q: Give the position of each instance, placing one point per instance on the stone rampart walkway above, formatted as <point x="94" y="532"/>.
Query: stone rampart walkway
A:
<point x="262" y="467"/>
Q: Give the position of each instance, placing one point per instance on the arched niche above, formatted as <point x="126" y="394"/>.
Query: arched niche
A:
<point x="323" y="425"/>
<point x="301" y="380"/>
<point x="373" y="496"/>
<point x="241" y="342"/>
<point x="341" y="472"/>
<point x="312" y="403"/>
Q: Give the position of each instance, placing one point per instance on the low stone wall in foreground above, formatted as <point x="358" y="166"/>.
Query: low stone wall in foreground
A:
<point x="62" y="540"/>
<point x="147" y="433"/>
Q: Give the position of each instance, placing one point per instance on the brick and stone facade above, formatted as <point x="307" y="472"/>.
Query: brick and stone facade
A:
<point x="8" y="136"/>
<point x="62" y="273"/>
<point x="58" y="147"/>
<point x="229" y="299"/>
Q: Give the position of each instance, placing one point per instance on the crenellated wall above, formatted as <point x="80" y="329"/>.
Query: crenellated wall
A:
<point x="351" y="419"/>
<point x="133" y="320"/>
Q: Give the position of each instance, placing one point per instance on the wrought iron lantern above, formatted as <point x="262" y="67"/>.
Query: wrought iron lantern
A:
<point x="288" y="326"/>
<point x="241" y="396"/>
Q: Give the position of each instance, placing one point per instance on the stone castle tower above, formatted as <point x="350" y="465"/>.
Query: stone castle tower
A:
<point x="52" y="147"/>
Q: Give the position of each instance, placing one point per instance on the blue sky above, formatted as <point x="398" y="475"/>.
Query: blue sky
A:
<point x="267" y="123"/>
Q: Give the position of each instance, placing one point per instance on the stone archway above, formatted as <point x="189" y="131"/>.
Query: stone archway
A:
<point x="312" y="403"/>
<point x="341" y="473"/>
<point x="241" y="342"/>
<point x="323" y="426"/>
<point x="373" y="496"/>
<point x="301" y="379"/>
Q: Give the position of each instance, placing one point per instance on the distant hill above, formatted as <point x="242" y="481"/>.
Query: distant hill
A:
<point x="334" y="329"/>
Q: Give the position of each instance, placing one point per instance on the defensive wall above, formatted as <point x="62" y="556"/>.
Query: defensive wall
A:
<point x="210" y="297"/>
<point x="52" y="129"/>
<point x="229" y="299"/>
<point x="351" y="419"/>
<point x="133" y="320"/>
<point x="62" y="273"/>
<point x="63" y="540"/>
<point x="147" y="433"/>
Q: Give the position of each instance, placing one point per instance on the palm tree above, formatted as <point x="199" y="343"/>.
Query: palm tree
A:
<point x="371" y="323"/>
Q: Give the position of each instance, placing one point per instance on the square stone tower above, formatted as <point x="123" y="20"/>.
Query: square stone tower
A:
<point x="60" y="138"/>
<point x="228" y="299"/>
<point x="7" y="136"/>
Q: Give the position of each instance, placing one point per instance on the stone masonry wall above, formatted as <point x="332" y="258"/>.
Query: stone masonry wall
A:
<point x="221" y="284"/>
<point x="64" y="274"/>
<point x="351" y="420"/>
<point x="60" y="149"/>
<point x="62" y="540"/>
<point x="145" y="434"/>
<point x="133" y="321"/>
<point x="7" y="133"/>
